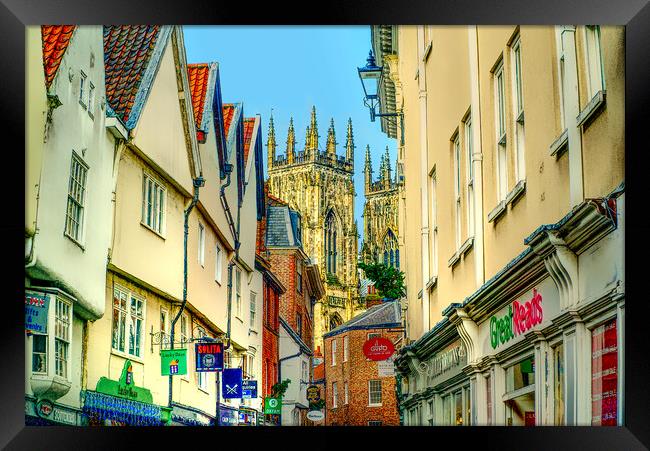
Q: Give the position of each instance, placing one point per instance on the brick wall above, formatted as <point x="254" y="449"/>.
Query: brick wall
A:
<point x="270" y="347"/>
<point x="357" y="371"/>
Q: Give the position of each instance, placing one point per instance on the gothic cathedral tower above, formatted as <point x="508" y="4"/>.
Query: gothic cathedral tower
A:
<point x="380" y="213"/>
<point x="319" y="184"/>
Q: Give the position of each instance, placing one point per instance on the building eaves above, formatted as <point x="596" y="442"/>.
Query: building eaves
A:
<point x="303" y="346"/>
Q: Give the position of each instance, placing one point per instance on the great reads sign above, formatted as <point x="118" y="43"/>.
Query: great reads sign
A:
<point x="519" y="319"/>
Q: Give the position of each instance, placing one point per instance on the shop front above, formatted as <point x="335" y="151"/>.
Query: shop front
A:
<point x="248" y="416"/>
<point x="44" y="412"/>
<point x="122" y="403"/>
<point x="189" y="416"/>
<point x="228" y="416"/>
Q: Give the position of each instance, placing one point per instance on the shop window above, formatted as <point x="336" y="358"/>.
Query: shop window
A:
<point x="39" y="354"/>
<point x="604" y="375"/>
<point x="62" y="332"/>
<point x="446" y="410"/>
<point x="458" y="411"/>
<point x="468" y="406"/>
<point x="520" y="393"/>
<point x="431" y="414"/>
<point x="558" y="384"/>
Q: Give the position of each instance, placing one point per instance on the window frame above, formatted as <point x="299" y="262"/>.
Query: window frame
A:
<point x="434" y="224"/>
<point x="346" y="348"/>
<point x="91" y="99"/>
<point x="78" y="167"/>
<point x="252" y="310"/>
<point x="469" y="174"/>
<point x="82" y="80"/>
<point x="238" y="292"/>
<point x="138" y="353"/>
<point x="202" y="382"/>
<point x="457" y="189"/>
<point x="518" y="108"/>
<point x="158" y="217"/>
<point x="370" y="393"/>
<point x="333" y="352"/>
<point x="561" y="74"/>
<point x="335" y="395"/>
<point x="62" y="336"/>
<point x="499" y="87"/>
<point x="593" y="87"/>
<point x="346" y="398"/>
<point x="164" y="328"/>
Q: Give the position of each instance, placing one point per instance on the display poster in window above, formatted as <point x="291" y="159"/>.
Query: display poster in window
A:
<point x="36" y="309"/>
<point x="209" y="357"/>
<point x="604" y="375"/>
<point x="249" y="389"/>
<point x="173" y="362"/>
<point x="232" y="383"/>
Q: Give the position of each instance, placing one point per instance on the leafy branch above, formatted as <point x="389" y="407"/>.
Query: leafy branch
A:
<point x="389" y="281"/>
<point x="279" y="389"/>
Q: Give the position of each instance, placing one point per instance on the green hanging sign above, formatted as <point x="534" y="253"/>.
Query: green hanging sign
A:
<point x="173" y="362"/>
<point x="125" y="387"/>
<point x="272" y="406"/>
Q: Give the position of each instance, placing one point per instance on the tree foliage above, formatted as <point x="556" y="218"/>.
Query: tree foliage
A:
<point x="279" y="389"/>
<point x="389" y="281"/>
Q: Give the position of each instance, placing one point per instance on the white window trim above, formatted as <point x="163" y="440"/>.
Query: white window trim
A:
<point x="201" y="245"/>
<point x="156" y="181"/>
<point x="335" y="395"/>
<point x="83" y="78"/>
<point x="57" y="300"/>
<point x="434" y="225"/>
<point x="91" y="99"/>
<point x="252" y="312"/>
<point x="380" y="403"/>
<point x="126" y="353"/>
<point x="457" y="189"/>
<point x="202" y="382"/>
<point x="80" y="240"/>
<point x="165" y="340"/>
<point x="218" y="263"/>
<point x="559" y="68"/>
<point x="518" y="114"/>
<point x="593" y="87"/>
<point x="500" y="120"/>
<point x="469" y="176"/>
<point x="346" y="348"/>
<point x="334" y="352"/>
<point x="237" y="293"/>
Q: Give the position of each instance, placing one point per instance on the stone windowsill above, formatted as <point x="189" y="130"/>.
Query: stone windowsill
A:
<point x="467" y="245"/>
<point x="454" y="259"/>
<point x="517" y="191"/>
<point x="431" y="283"/>
<point x="560" y="144"/>
<point x="497" y="211"/>
<point x="592" y="107"/>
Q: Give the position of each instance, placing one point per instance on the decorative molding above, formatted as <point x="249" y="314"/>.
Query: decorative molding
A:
<point x="453" y="260"/>
<point x="517" y="191"/>
<point x="592" y="107"/>
<point x="560" y="145"/>
<point x="497" y="211"/>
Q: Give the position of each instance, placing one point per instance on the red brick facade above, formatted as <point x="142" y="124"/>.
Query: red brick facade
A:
<point x="357" y="371"/>
<point x="270" y="334"/>
<point x="295" y="306"/>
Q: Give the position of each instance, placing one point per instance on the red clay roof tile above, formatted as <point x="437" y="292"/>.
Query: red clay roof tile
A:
<point x="55" y="42"/>
<point x="249" y="125"/>
<point x="127" y="51"/>
<point x="228" y="114"/>
<point x="198" y="77"/>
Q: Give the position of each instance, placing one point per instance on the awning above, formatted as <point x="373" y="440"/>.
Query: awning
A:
<point x="103" y="407"/>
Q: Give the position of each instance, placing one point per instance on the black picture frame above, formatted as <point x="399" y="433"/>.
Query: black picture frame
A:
<point x="634" y="14"/>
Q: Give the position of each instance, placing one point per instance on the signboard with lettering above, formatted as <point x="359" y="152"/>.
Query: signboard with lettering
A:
<point x="313" y="394"/>
<point x="531" y="310"/>
<point x="272" y="406"/>
<point x="315" y="415"/>
<point x="232" y="383"/>
<point x="209" y="357"/>
<point x="125" y="387"/>
<point x="378" y="348"/>
<point x="173" y="362"/>
<point x="36" y="308"/>
<point x="386" y="368"/>
<point x="249" y="389"/>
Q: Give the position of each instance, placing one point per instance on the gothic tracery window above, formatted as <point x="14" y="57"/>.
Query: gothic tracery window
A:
<point x="330" y="243"/>
<point x="391" y="250"/>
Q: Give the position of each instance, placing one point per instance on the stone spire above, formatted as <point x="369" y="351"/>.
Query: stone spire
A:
<point x="312" y="136"/>
<point x="382" y="170"/>
<point x="271" y="144"/>
<point x="331" y="139"/>
<point x="306" y="149"/>
<point x="368" y="169"/>
<point x="387" y="169"/>
<point x="396" y="171"/>
<point x="349" y="143"/>
<point x="291" y="143"/>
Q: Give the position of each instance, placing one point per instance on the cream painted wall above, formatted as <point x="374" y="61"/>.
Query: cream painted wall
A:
<point x="546" y="196"/>
<point x="79" y="267"/>
<point x="137" y="250"/>
<point x="161" y="137"/>
<point x="35" y="115"/>
<point x="292" y="369"/>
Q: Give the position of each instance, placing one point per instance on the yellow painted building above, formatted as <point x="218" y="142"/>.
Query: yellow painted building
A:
<point x="513" y="163"/>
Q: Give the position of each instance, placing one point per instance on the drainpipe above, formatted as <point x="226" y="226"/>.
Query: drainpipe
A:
<point x="197" y="183"/>
<point x="280" y="374"/>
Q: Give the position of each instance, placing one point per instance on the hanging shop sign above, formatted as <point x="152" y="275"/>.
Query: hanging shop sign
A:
<point x="313" y="394"/>
<point x="122" y="402"/>
<point x="125" y="386"/>
<point x="247" y="417"/>
<point x="249" y="389"/>
<point x="36" y="309"/>
<point x="51" y="412"/>
<point x="378" y="348"/>
<point x="228" y="416"/>
<point x="232" y="383"/>
<point x="520" y="317"/>
<point x="315" y="415"/>
<point x="272" y="406"/>
<point x="173" y="362"/>
<point x="386" y="368"/>
<point x="209" y="357"/>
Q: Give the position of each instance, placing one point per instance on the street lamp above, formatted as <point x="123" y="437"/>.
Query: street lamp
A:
<point x="371" y="77"/>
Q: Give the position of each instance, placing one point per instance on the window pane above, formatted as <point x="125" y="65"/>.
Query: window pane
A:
<point x="604" y="375"/>
<point x="558" y="357"/>
<point x="39" y="353"/>
<point x="459" y="408"/>
<point x="520" y="375"/>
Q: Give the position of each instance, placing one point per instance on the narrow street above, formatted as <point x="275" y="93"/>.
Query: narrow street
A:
<point x="376" y="225"/>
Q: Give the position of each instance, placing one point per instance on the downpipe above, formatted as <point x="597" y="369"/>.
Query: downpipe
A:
<point x="197" y="183"/>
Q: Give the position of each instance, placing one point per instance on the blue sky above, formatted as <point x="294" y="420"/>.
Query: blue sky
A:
<point x="289" y="69"/>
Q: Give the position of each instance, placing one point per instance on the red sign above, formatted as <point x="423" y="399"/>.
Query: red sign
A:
<point x="529" y="419"/>
<point x="378" y="348"/>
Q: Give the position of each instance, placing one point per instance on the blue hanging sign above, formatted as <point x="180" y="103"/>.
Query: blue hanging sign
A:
<point x="232" y="383"/>
<point x="36" y="308"/>
<point x="249" y="389"/>
<point x="209" y="357"/>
